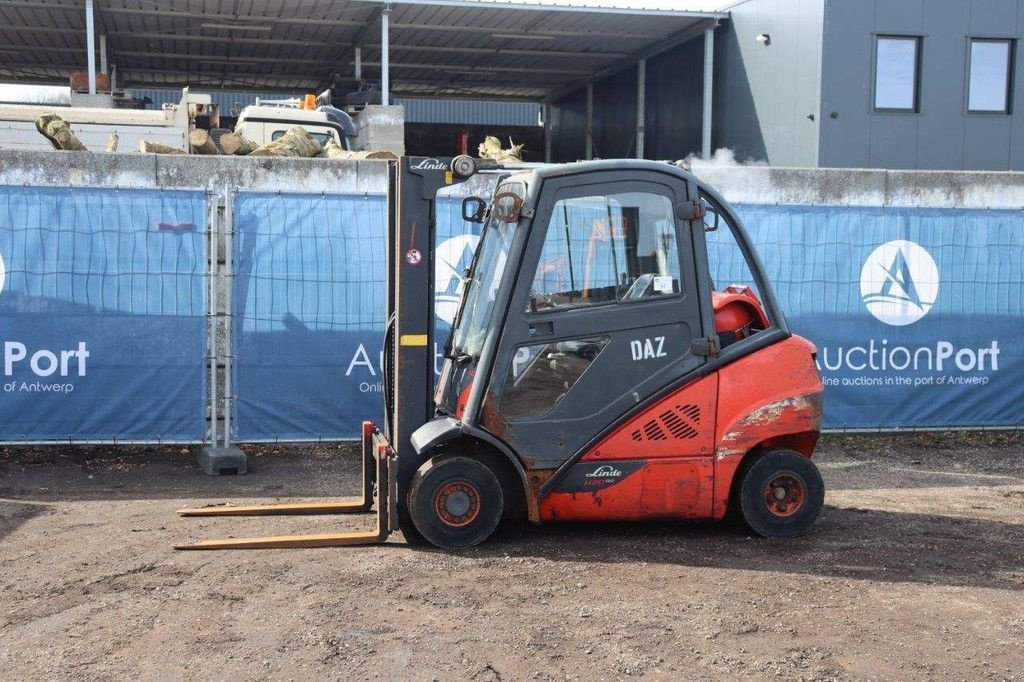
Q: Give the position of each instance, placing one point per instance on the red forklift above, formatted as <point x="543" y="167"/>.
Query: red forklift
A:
<point x="595" y="371"/>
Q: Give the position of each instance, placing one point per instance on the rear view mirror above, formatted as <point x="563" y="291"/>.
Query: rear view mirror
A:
<point x="711" y="217"/>
<point x="474" y="209"/>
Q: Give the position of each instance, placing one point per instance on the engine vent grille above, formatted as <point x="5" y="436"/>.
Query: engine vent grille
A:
<point x="680" y="423"/>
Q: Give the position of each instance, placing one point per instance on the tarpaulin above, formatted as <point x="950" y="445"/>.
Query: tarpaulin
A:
<point x="916" y="312"/>
<point x="102" y="314"/>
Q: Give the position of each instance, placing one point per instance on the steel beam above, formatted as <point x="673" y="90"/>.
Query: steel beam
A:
<point x="90" y="42"/>
<point x="385" y="57"/>
<point x="709" y="76"/>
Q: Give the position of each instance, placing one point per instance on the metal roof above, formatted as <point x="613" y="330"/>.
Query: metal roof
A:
<point x="446" y="48"/>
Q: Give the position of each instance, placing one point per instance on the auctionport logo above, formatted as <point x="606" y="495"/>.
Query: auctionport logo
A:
<point x="899" y="283"/>
<point x="451" y="260"/>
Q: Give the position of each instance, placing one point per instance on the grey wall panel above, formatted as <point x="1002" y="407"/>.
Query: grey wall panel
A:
<point x="615" y="116"/>
<point x="765" y="93"/>
<point x="896" y="16"/>
<point x="893" y="141"/>
<point x="985" y="142"/>
<point x="940" y="145"/>
<point x="945" y="136"/>
<point x="992" y="17"/>
<point x="675" y="81"/>
<point x="846" y="84"/>
<point x="569" y="127"/>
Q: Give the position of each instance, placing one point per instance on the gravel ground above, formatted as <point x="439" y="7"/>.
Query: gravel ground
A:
<point x="915" y="570"/>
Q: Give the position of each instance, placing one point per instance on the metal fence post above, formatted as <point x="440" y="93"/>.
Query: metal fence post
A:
<point x="211" y="313"/>
<point x="228" y="284"/>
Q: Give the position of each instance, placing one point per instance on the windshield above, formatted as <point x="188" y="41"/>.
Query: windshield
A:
<point x="482" y="287"/>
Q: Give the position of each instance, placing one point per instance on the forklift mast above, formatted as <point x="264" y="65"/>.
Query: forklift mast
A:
<point x="409" y="339"/>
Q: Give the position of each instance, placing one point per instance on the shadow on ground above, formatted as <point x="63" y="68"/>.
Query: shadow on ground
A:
<point x="844" y="543"/>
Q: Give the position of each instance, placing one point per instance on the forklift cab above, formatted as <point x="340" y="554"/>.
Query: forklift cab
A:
<point x="584" y="364"/>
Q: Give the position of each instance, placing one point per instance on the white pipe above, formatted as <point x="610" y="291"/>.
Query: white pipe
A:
<point x="590" y="122"/>
<point x="547" y="133"/>
<point x="359" y="63"/>
<point x="103" y="54"/>
<point x="385" y="58"/>
<point x="90" y="41"/>
<point x="641" y="106"/>
<point x="709" y="74"/>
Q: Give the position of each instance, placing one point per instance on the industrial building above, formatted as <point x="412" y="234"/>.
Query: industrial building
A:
<point x="901" y="84"/>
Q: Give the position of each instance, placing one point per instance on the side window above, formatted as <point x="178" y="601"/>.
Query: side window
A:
<point x="897" y="73"/>
<point x="736" y="299"/>
<point x="607" y="249"/>
<point x="541" y="375"/>
<point x="322" y="138"/>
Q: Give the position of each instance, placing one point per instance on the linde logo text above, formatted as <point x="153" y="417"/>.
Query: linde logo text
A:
<point x="899" y="283"/>
<point x="429" y="164"/>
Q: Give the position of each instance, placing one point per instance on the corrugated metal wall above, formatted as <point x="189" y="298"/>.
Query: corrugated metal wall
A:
<point x="470" y="112"/>
<point x="461" y="111"/>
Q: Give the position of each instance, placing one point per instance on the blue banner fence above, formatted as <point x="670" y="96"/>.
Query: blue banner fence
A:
<point x="118" y="324"/>
<point x="103" y="315"/>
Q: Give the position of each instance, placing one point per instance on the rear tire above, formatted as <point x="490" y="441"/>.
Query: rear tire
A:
<point x="455" y="502"/>
<point x="781" y="494"/>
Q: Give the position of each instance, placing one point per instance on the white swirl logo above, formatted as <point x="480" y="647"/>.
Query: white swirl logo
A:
<point x="450" y="261"/>
<point x="899" y="282"/>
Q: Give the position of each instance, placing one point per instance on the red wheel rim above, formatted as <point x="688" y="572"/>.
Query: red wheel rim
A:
<point x="784" y="494"/>
<point x="457" y="504"/>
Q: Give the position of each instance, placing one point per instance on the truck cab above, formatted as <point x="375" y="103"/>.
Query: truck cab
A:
<point x="267" y="120"/>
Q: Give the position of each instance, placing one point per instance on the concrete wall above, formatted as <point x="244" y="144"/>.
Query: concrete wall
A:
<point x="856" y="187"/>
<point x="380" y="128"/>
<point x="942" y="135"/>
<point x="764" y="94"/>
<point x="213" y="173"/>
<point x="740" y="184"/>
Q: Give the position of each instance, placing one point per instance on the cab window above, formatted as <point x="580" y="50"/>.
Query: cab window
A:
<point x="617" y="248"/>
<point x="322" y="138"/>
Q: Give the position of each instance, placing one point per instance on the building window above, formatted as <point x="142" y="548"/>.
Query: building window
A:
<point x="991" y="80"/>
<point x="897" y="73"/>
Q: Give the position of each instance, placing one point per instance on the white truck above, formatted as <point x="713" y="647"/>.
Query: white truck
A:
<point x="92" y="125"/>
<point x="266" y="121"/>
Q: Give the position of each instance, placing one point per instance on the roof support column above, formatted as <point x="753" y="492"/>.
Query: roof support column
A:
<point x="547" y="132"/>
<point x="641" y="106"/>
<point x="385" y="57"/>
<point x="359" y="64"/>
<point x="709" y="75"/>
<point x="590" y="122"/>
<point x="90" y="42"/>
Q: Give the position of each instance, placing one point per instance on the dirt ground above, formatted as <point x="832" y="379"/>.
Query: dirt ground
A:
<point x="914" y="570"/>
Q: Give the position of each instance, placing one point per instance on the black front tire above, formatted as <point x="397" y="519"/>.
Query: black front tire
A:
<point x="780" y="494"/>
<point x="455" y="502"/>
